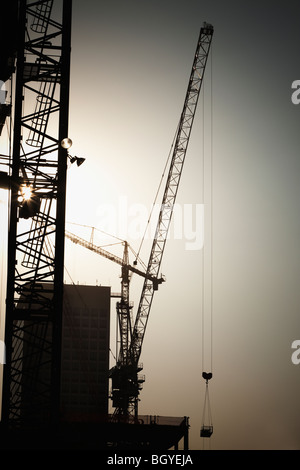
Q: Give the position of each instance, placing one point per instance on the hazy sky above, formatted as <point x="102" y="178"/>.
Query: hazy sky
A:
<point x="130" y="67"/>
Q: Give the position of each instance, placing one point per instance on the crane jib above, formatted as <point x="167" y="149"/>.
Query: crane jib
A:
<point x="172" y="184"/>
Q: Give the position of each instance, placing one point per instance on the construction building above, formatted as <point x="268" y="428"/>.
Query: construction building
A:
<point x="85" y="352"/>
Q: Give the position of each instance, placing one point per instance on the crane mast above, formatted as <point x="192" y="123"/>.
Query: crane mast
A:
<point x="125" y="395"/>
<point x="124" y="307"/>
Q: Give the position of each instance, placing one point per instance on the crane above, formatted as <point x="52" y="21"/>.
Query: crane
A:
<point x="125" y="378"/>
<point x="123" y="307"/>
<point x="39" y="56"/>
<point x="124" y="262"/>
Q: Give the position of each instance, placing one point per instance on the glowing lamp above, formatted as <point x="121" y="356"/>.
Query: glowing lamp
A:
<point x="26" y="193"/>
<point x="66" y="143"/>
<point x="29" y="202"/>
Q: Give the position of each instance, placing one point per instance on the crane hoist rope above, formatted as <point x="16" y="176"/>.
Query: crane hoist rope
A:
<point x="207" y="258"/>
<point x="207" y="293"/>
<point x="157" y="192"/>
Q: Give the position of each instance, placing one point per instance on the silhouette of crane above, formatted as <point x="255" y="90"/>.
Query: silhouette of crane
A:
<point x="126" y="382"/>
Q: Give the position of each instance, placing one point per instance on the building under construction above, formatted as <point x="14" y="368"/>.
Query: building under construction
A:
<point x="57" y="381"/>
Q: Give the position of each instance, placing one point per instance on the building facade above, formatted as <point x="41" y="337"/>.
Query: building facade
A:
<point x="85" y="352"/>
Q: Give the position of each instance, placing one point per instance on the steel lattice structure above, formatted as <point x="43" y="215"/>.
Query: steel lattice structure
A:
<point x="31" y="383"/>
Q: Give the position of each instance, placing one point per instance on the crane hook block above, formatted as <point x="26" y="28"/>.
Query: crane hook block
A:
<point x="207" y="376"/>
<point x="206" y="431"/>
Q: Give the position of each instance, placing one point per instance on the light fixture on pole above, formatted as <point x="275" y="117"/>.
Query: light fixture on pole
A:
<point x="79" y="161"/>
<point x="66" y="143"/>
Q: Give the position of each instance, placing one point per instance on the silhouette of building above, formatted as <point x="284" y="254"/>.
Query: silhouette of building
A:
<point x="84" y="358"/>
<point x="85" y="352"/>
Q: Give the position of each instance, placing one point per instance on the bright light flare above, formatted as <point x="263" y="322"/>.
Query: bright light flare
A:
<point x="25" y="193"/>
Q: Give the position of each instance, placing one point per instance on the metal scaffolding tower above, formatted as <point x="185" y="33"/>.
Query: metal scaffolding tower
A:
<point x="33" y="324"/>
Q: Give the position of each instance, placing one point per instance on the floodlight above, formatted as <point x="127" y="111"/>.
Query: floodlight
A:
<point x="66" y="143"/>
<point x="79" y="161"/>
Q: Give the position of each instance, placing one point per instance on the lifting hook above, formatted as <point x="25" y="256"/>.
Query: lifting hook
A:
<point x="207" y="376"/>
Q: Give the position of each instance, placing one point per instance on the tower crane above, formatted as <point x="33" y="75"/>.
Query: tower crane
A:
<point x="125" y="378"/>
<point x="123" y="307"/>
<point x="39" y="57"/>
<point x="122" y="262"/>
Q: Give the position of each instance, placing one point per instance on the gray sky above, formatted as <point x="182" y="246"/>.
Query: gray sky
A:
<point x="130" y="67"/>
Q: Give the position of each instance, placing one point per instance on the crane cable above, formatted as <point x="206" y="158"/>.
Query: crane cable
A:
<point x="157" y="192"/>
<point x="207" y="291"/>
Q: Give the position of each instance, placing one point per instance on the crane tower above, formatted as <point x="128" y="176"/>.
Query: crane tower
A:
<point x="38" y="164"/>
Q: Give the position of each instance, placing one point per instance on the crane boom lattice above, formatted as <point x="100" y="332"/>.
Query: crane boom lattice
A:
<point x="170" y="193"/>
